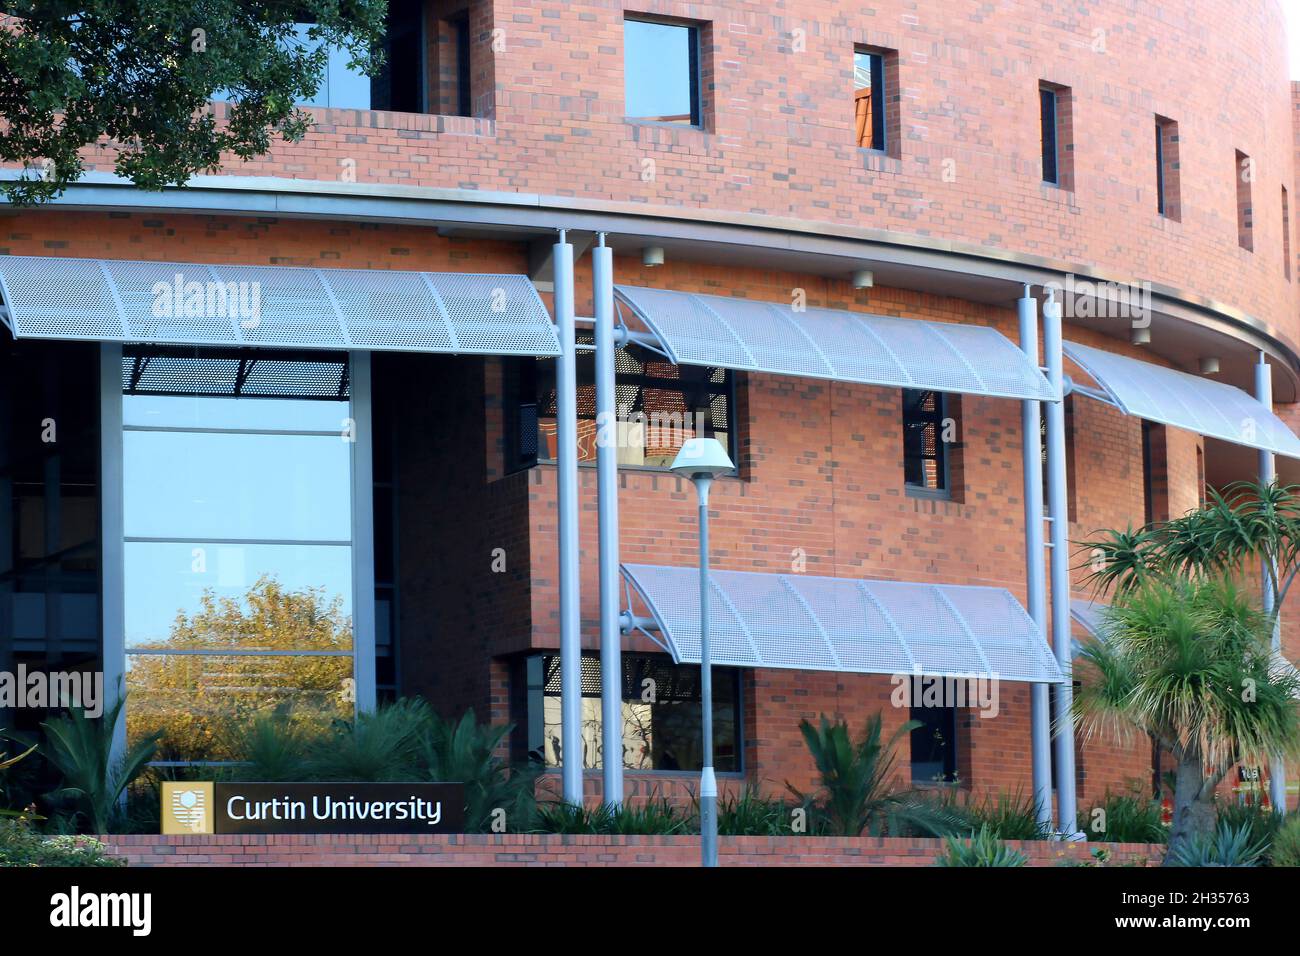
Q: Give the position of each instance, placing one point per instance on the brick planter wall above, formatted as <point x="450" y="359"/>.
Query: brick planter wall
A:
<point x="554" y="850"/>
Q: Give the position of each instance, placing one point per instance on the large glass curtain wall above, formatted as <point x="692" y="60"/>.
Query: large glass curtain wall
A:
<point x="238" y="547"/>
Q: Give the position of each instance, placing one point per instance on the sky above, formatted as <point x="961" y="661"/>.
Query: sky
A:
<point x="1292" y="8"/>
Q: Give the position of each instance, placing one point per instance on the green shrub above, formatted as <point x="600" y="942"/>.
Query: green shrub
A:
<point x="858" y="792"/>
<point x="465" y="751"/>
<point x="1227" y="846"/>
<point x="656" y="817"/>
<point x="1008" y="816"/>
<point x="749" y="813"/>
<point x="1125" y="818"/>
<point x="80" y="748"/>
<point x="20" y="845"/>
<point x="1263" y="822"/>
<point x="382" y="745"/>
<point x="1286" y="843"/>
<point x="982" y="849"/>
<point x="273" y="747"/>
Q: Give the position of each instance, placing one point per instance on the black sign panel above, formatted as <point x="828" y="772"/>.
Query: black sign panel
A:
<point x="339" y="807"/>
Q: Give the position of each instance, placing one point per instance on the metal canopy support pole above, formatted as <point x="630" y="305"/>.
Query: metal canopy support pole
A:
<point x="1035" y="583"/>
<point x="611" y="666"/>
<point x="1268" y="474"/>
<point x="1058" y="507"/>
<point x="566" y="408"/>
<point x="112" y="534"/>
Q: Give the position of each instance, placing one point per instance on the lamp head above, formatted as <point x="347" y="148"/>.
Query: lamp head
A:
<point x="702" y="458"/>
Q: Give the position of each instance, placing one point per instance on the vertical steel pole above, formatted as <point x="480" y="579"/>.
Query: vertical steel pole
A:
<point x="1057" y="498"/>
<point x="112" y="534"/>
<point x="566" y="410"/>
<point x="1035" y="581"/>
<point x="708" y="781"/>
<point x="1267" y="475"/>
<point x="611" y="637"/>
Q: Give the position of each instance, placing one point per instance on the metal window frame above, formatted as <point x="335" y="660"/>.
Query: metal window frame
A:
<point x="944" y="492"/>
<point x="1049" y="107"/>
<point x="694" y="61"/>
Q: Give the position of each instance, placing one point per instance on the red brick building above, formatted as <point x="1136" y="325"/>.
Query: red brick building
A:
<point x="956" y="152"/>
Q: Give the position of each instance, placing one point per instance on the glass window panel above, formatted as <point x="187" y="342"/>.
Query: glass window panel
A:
<point x="659" y="66"/>
<point x="247" y="596"/>
<point x="181" y="485"/>
<point x="199" y="701"/>
<point x="254" y="414"/>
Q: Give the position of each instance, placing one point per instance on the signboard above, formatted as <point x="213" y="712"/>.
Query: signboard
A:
<point x="312" y="807"/>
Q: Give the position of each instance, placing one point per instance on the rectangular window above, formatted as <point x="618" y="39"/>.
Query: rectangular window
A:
<point x="400" y="83"/>
<point x="659" y="406"/>
<point x="1245" y="172"/>
<point x="1168" y="203"/>
<point x="661" y="714"/>
<point x="925" y="458"/>
<point x="238" y="545"/>
<point x="661" y="63"/>
<point x="869" y="99"/>
<point x="934" y="745"/>
<point x="1056" y="133"/>
<point x="1051" y="165"/>
<point x="1286" y="235"/>
<point x="1155" y="473"/>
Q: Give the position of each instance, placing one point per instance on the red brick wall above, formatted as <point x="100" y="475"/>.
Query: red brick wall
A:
<point x="780" y="137"/>
<point x="547" y="850"/>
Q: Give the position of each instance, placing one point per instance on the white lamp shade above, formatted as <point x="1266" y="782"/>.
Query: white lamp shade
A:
<point x="702" y="457"/>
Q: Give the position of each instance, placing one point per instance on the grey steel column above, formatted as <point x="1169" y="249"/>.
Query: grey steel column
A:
<point x="566" y="412"/>
<point x="1058" y="507"/>
<point x="112" y="532"/>
<point x="611" y="666"/>
<point x="1035" y="583"/>
<point x="363" y="534"/>
<point x="708" y="781"/>
<point x="1267" y="475"/>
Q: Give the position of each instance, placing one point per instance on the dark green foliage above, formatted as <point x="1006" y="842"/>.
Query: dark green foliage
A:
<point x="982" y="849"/>
<point x="655" y="817"/>
<point x="464" y="751"/>
<point x="1286" y="843"/>
<point x="1226" y="846"/>
<point x="1125" y="818"/>
<point x="858" y="793"/>
<point x="137" y="76"/>
<point x="749" y="813"/>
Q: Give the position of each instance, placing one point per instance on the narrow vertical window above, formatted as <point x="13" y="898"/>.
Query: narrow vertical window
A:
<point x="1286" y="235"/>
<point x="662" y="72"/>
<point x="869" y="99"/>
<point x="1245" y="173"/>
<point x="1168" y="203"/>
<point x="1051" y="159"/>
<point x="934" y="744"/>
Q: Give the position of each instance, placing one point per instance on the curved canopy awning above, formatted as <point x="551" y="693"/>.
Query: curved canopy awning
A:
<point x="178" y="303"/>
<point x="804" y="622"/>
<point x="754" y="336"/>
<point x="1170" y="397"/>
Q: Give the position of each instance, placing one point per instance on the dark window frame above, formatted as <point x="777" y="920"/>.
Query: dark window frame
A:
<point x="941" y="455"/>
<point x="950" y="720"/>
<point x="694" y="65"/>
<point x="1161" y="204"/>
<point x="532" y="672"/>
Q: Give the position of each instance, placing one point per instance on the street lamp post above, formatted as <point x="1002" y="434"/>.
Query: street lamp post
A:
<point x="701" y="460"/>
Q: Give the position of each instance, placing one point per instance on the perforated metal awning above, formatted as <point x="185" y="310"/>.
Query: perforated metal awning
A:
<point x="188" y="304"/>
<point x="825" y="343"/>
<point x="803" y="622"/>
<point x="1171" y="397"/>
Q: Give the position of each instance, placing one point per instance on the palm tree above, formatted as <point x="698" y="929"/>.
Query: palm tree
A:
<point x="1189" y="661"/>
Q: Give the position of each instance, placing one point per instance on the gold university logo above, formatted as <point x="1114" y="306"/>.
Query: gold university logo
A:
<point x="187" y="808"/>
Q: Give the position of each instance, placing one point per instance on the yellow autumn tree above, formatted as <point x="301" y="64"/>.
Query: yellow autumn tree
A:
<point x="196" y="700"/>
